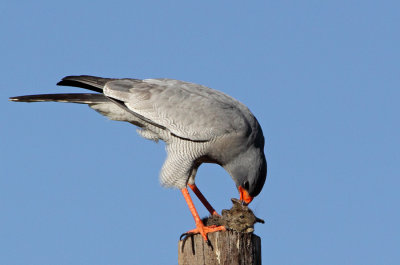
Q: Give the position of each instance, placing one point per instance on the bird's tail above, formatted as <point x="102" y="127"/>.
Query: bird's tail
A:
<point x="69" y="98"/>
<point x="93" y="83"/>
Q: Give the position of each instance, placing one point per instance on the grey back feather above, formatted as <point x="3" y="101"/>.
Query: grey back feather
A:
<point x="187" y="110"/>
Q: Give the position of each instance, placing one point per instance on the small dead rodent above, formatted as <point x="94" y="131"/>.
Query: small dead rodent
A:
<point x="239" y="218"/>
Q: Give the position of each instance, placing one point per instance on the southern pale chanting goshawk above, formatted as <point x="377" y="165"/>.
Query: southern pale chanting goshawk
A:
<point x="198" y="124"/>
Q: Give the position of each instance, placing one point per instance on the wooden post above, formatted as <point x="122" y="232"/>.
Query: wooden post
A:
<point x="227" y="247"/>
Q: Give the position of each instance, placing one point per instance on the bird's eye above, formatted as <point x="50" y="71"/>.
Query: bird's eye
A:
<point x="241" y="217"/>
<point x="246" y="185"/>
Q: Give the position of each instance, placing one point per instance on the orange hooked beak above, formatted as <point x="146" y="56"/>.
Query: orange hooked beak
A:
<point x="244" y="195"/>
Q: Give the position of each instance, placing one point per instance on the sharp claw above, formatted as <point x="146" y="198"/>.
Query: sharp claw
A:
<point x="202" y="232"/>
<point x="187" y="235"/>
<point x="183" y="235"/>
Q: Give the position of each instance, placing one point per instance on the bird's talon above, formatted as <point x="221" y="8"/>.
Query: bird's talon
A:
<point x="204" y="230"/>
<point x="183" y="236"/>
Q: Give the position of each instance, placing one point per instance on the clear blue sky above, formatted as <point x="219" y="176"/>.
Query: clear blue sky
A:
<point x="322" y="77"/>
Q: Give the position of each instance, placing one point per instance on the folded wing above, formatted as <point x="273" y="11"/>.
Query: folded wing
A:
<point x="187" y="110"/>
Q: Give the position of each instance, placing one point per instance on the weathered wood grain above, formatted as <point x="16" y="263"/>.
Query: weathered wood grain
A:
<point x="227" y="248"/>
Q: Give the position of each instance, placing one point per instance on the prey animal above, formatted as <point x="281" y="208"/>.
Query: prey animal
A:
<point x="197" y="123"/>
<point x="239" y="218"/>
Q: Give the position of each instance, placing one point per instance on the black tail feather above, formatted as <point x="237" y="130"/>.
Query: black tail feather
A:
<point x="69" y="98"/>
<point x="93" y="83"/>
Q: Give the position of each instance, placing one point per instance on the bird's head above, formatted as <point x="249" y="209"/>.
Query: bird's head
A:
<point x="249" y="171"/>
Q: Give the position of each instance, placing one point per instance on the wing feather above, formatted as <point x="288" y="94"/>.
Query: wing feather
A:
<point x="187" y="110"/>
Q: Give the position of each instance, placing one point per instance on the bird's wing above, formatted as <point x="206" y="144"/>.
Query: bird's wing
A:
<point x="187" y="110"/>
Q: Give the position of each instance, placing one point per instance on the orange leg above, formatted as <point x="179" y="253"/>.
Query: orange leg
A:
<point x="203" y="199"/>
<point x="200" y="228"/>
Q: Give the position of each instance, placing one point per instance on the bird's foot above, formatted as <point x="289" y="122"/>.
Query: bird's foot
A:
<point x="214" y="213"/>
<point x="203" y="230"/>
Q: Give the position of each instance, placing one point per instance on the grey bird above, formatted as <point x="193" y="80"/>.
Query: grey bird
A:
<point x="197" y="123"/>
